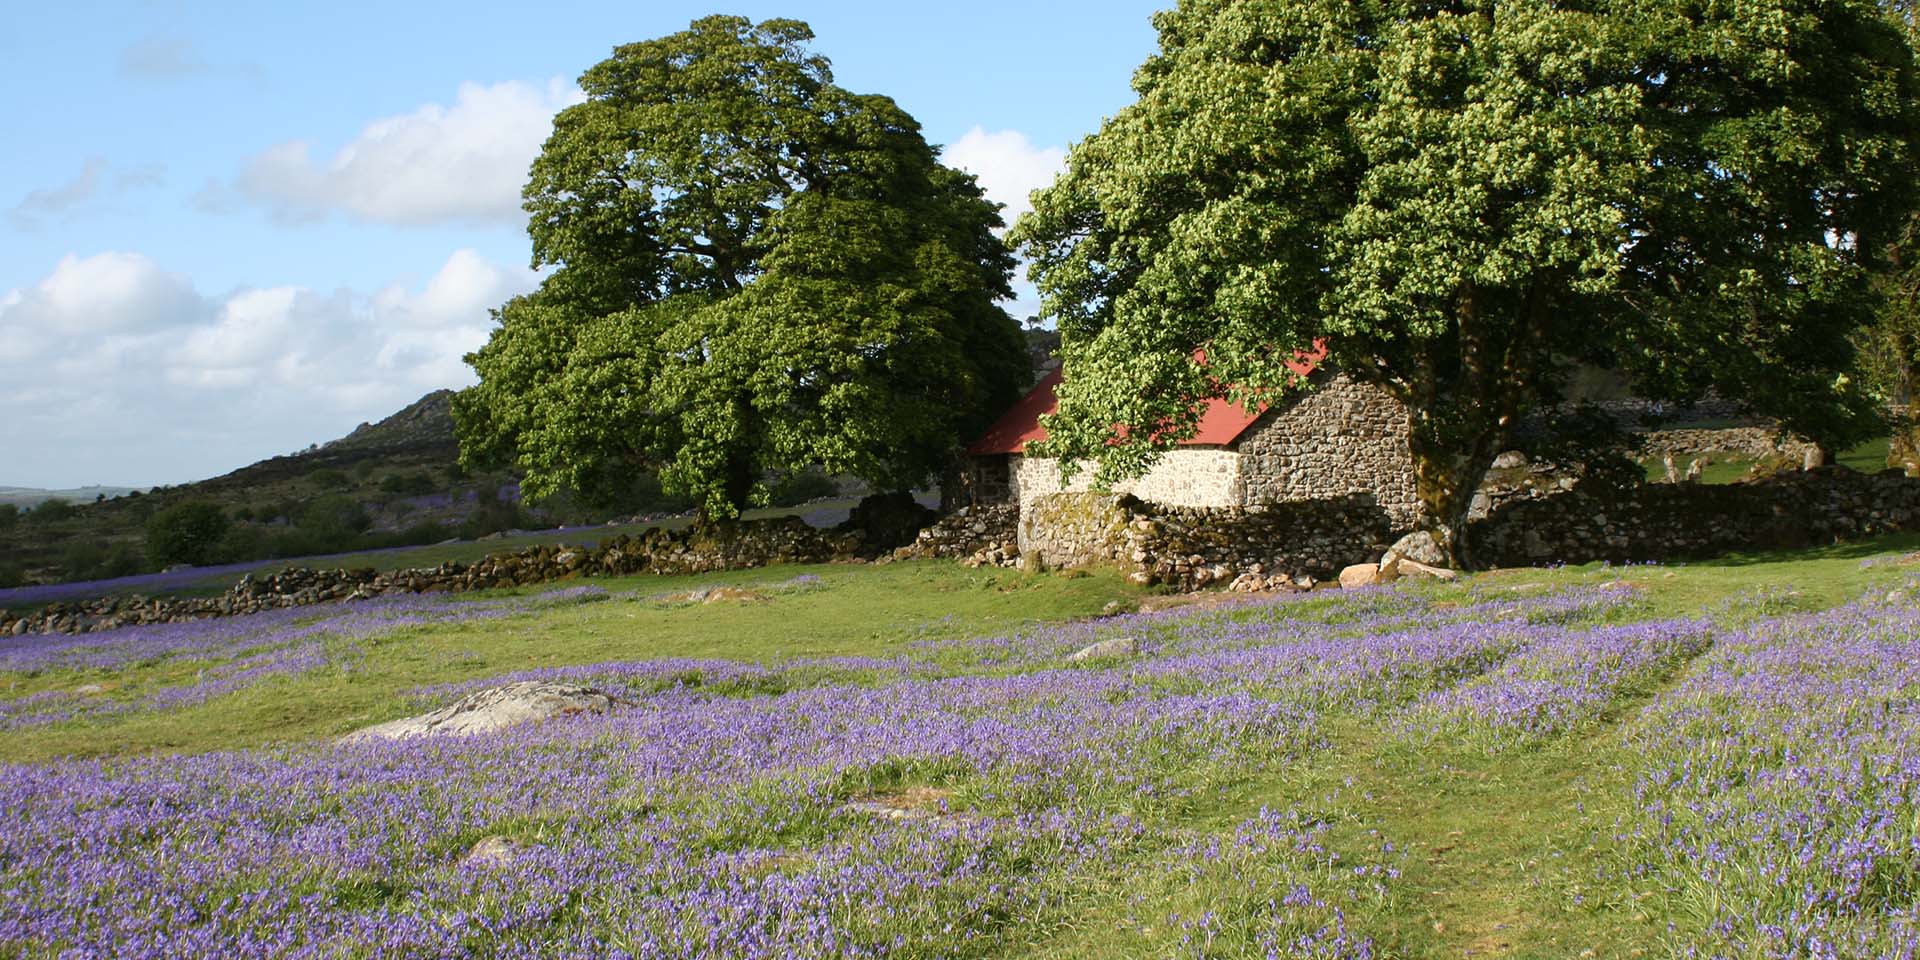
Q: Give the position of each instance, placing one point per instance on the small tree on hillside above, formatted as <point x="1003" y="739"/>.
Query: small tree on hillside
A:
<point x="755" y="271"/>
<point x="186" y="533"/>
<point x="1461" y="200"/>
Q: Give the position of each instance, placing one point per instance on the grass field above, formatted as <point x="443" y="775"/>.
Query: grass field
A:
<point x="1706" y="760"/>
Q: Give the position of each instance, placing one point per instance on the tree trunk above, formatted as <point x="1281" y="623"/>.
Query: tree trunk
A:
<point x="1448" y="468"/>
<point x="1904" y="451"/>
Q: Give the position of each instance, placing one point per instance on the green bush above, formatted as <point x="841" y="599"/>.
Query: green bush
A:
<point x="329" y="479"/>
<point x="9" y="515"/>
<point x="407" y="484"/>
<point x="81" y="559"/>
<point x="189" y="532"/>
<point x="802" y="487"/>
<point x="10" y="575"/>
<point x="124" y="560"/>
<point x="51" y="510"/>
<point x="334" y="515"/>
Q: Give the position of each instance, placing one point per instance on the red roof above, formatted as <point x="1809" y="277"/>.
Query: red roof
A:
<point x="1221" y="423"/>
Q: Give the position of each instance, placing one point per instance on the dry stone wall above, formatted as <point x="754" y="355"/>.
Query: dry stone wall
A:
<point x="980" y="534"/>
<point x="1342" y="439"/>
<point x="724" y="546"/>
<point x="1750" y="442"/>
<point x="1183" y="477"/>
<point x="1660" y="522"/>
<point x="1307" y="541"/>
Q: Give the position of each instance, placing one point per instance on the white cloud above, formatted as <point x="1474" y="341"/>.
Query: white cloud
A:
<point x="96" y="180"/>
<point x="113" y="367"/>
<point x="438" y="164"/>
<point x="105" y="293"/>
<point x="1008" y="164"/>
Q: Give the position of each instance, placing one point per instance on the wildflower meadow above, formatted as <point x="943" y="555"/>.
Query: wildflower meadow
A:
<point x="1543" y="768"/>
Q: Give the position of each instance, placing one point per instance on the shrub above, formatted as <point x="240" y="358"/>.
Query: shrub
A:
<point x="186" y="533"/>
<point x="407" y="484"/>
<point x="81" y="559"/>
<point x="802" y="487"/>
<point x="124" y="560"/>
<point x="333" y="516"/>
<point x="51" y="510"/>
<point x="329" y="479"/>
<point x="9" y="515"/>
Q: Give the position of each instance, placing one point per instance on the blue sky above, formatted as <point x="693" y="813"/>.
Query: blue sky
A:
<point x="230" y="230"/>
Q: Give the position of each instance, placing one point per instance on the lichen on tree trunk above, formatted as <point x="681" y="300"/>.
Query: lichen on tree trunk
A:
<point x="1447" y="470"/>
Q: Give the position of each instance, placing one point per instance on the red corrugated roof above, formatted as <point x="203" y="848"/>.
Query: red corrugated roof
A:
<point x="1221" y="423"/>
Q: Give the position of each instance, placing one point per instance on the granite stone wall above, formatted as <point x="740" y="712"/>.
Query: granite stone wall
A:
<point x="1183" y="477"/>
<point x="1300" y="542"/>
<point x="1343" y="439"/>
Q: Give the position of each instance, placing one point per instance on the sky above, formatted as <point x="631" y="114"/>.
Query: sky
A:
<point x="231" y="230"/>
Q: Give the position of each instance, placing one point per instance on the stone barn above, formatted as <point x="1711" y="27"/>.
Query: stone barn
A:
<point x="1341" y="442"/>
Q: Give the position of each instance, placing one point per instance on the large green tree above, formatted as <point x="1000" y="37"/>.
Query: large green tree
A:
<point x="753" y="271"/>
<point x="1890" y="346"/>
<point x="1461" y="200"/>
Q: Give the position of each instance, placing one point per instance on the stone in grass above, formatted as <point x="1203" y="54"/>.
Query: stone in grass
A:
<point x="492" y="851"/>
<point x="1105" y="649"/>
<point x="1418" y="546"/>
<point x="492" y="709"/>
<point x="913" y="803"/>
<point x="1366" y="575"/>
<point x="90" y="690"/>
<point x="1414" y="568"/>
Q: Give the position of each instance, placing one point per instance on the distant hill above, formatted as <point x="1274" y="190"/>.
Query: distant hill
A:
<point x="399" y="478"/>
<point x="427" y="421"/>
<point x="24" y="497"/>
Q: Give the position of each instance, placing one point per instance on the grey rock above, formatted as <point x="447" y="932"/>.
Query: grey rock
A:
<point x="1418" y="546"/>
<point x="1106" y="649"/>
<point x="494" y="709"/>
<point x="1366" y="575"/>
<point x="492" y="852"/>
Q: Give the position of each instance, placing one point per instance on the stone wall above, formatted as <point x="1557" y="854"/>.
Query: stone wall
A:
<point x="978" y="534"/>
<point x="1660" y="522"/>
<point x="1750" y="442"/>
<point x="1183" y="476"/>
<point x="1074" y="530"/>
<point x="1300" y="542"/>
<point x="724" y="546"/>
<point x="1342" y="439"/>
<point x="1197" y="546"/>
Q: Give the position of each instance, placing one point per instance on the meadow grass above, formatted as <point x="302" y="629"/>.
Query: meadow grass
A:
<point x="1477" y="769"/>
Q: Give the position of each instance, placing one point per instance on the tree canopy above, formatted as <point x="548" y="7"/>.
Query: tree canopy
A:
<point x="753" y="271"/>
<point x="1462" y="201"/>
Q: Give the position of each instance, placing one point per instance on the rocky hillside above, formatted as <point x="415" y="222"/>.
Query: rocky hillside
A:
<point x="400" y="474"/>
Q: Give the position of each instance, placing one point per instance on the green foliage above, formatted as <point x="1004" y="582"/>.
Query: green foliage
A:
<point x="1460" y="206"/>
<point x="335" y="515"/>
<point x="407" y="484"/>
<point x="756" y="271"/>
<point x="802" y="487"/>
<point x="329" y="479"/>
<point x="9" y="516"/>
<point x="81" y="559"/>
<point x="493" y="516"/>
<point x="188" y="532"/>
<point x="51" y="510"/>
<point x="122" y="560"/>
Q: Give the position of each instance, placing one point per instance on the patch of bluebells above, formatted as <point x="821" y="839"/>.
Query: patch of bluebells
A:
<point x="692" y="825"/>
<point x="1276" y="888"/>
<point x="239" y="652"/>
<point x="1777" y="808"/>
<point x="710" y="817"/>
<point x="1561" y="679"/>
